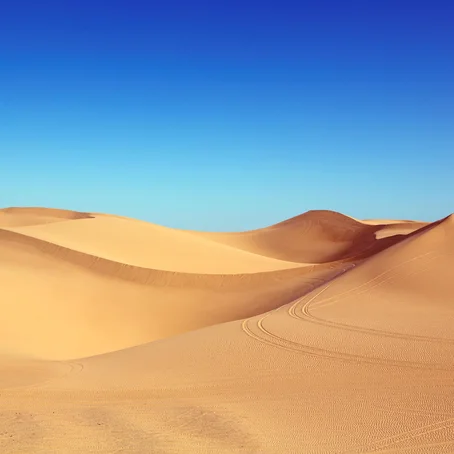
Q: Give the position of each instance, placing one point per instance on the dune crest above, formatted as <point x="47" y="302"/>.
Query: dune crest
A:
<point x="313" y="237"/>
<point x="149" y="246"/>
<point x="22" y="216"/>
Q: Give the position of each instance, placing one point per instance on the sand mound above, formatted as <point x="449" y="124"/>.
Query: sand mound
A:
<point x="403" y="228"/>
<point x="93" y="305"/>
<point x="18" y="216"/>
<point x="147" y="245"/>
<point x="73" y="289"/>
<point x="371" y="349"/>
<point x="313" y="237"/>
<point x="349" y="356"/>
<point x="389" y="221"/>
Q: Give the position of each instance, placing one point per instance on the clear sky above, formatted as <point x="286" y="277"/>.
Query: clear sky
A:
<point x="228" y="115"/>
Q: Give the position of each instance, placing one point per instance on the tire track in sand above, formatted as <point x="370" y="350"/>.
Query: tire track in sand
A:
<point x="255" y="328"/>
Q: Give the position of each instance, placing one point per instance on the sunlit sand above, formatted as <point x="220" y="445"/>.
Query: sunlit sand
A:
<point x="320" y="334"/>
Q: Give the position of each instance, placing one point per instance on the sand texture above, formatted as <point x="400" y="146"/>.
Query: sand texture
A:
<point x="319" y="334"/>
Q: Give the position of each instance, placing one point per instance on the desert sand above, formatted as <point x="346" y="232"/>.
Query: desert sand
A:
<point x="320" y="334"/>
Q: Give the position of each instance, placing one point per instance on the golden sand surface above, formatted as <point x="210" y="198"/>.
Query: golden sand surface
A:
<point x="320" y="334"/>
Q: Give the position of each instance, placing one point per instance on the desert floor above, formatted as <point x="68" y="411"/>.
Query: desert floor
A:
<point x="320" y="334"/>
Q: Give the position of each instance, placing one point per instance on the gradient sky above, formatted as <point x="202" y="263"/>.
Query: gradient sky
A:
<point x="228" y="115"/>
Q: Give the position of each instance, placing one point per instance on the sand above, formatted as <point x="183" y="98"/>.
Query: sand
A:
<point x="320" y="334"/>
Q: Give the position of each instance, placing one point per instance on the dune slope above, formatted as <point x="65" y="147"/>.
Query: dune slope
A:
<point x="20" y="216"/>
<point x="88" y="274"/>
<point x="92" y="305"/>
<point x="147" y="245"/>
<point x="313" y="237"/>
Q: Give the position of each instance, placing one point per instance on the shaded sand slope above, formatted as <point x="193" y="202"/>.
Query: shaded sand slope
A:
<point x="390" y="221"/>
<point x="123" y="282"/>
<point x="91" y="305"/>
<point x="387" y="228"/>
<point x="147" y="245"/>
<point x="313" y="237"/>
<point x="360" y="364"/>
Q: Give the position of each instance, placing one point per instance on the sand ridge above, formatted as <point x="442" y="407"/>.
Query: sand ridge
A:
<point x="331" y="335"/>
<point x="147" y="245"/>
<point x="24" y="216"/>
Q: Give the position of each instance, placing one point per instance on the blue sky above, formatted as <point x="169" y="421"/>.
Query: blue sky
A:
<point x="228" y="115"/>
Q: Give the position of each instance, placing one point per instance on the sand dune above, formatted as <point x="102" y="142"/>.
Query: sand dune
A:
<point x="116" y="304"/>
<point x="19" y="217"/>
<point x="389" y="221"/>
<point x="151" y="246"/>
<point x="321" y="334"/>
<point x="94" y="307"/>
<point x="313" y="237"/>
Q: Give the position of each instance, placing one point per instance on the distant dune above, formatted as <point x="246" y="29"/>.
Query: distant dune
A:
<point x="21" y="217"/>
<point x="319" y="334"/>
<point x="313" y="237"/>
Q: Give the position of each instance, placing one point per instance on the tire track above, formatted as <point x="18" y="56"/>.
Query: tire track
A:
<point x="384" y="443"/>
<point x="367" y="285"/>
<point x="302" y="312"/>
<point x="268" y="338"/>
<point x="263" y="335"/>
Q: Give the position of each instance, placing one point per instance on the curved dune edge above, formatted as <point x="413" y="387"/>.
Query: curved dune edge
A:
<point x="149" y="276"/>
<point x="46" y="212"/>
<point x="342" y="284"/>
<point x="311" y="238"/>
<point x="151" y="246"/>
<point x="54" y="294"/>
<point x="59" y="304"/>
<point x="29" y="216"/>
<point x="132" y="273"/>
<point x="437" y="233"/>
<point x="390" y="221"/>
<point x="317" y="236"/>
<point x="165" y="303"/>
